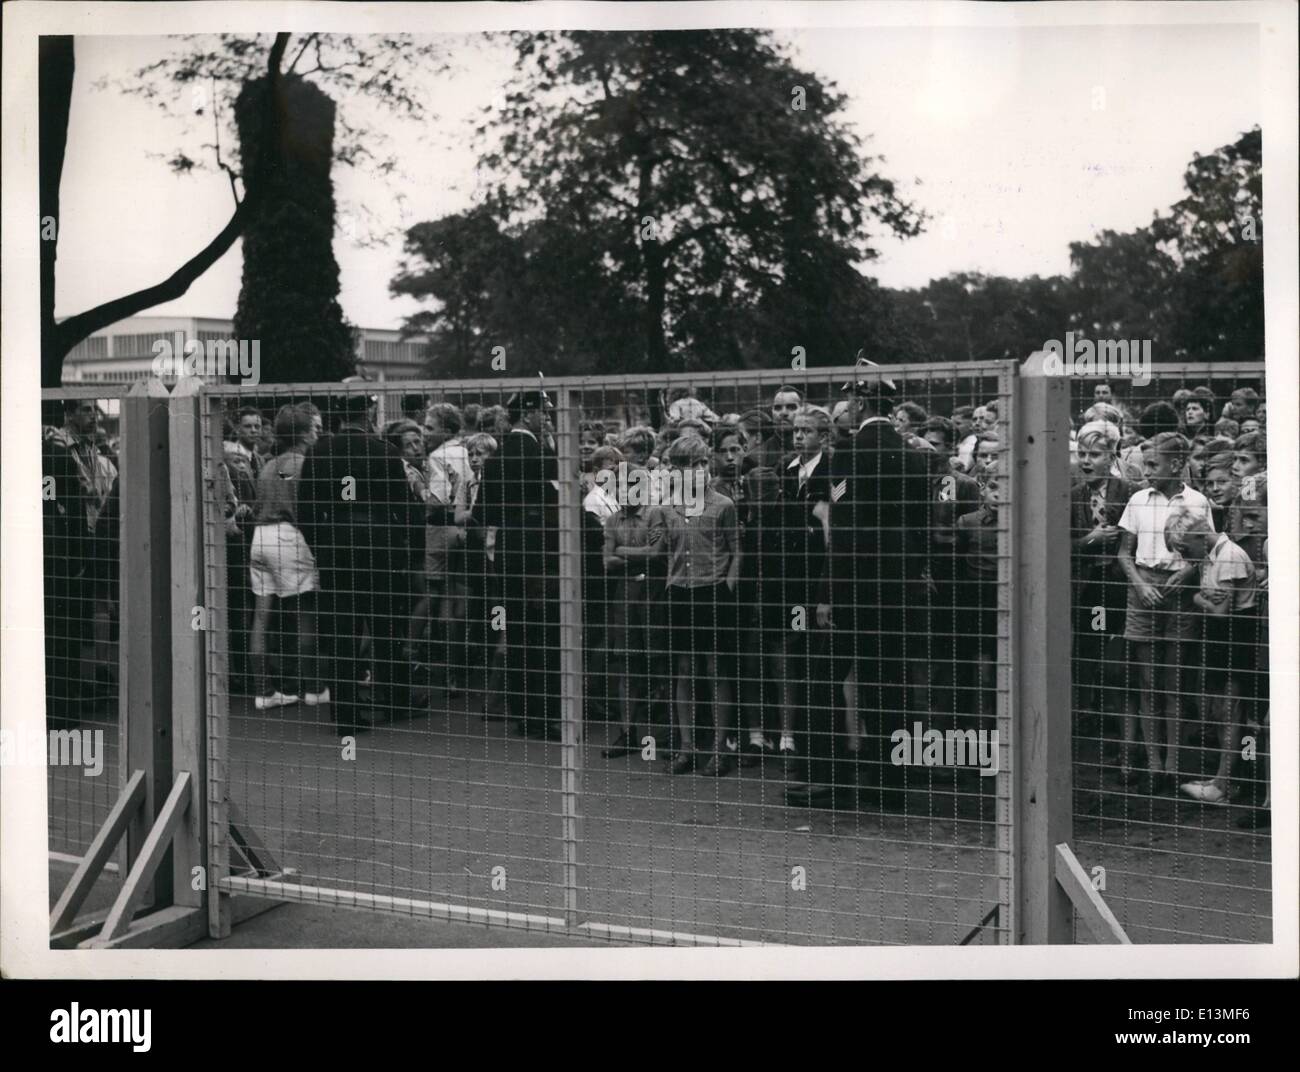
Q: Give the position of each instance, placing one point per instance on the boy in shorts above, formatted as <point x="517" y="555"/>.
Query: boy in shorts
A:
<point x="1161" y="624"/>
<point x="1227" y="595"/>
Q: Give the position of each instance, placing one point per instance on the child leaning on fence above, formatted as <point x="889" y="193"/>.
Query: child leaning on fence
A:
<point x="1227" y="596"/>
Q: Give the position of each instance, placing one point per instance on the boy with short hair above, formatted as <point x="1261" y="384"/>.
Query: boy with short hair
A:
<point x="800" y="522"/>
<point x="636" y="612"/>
<point x="1161" y="623"/>
<point x="1250" y="456"/>
<point x="1227" y="596"/>
<point x="699" y="534"/>
<point x="1220" y="487"/>
<point x="977" y="553"/>
<point x="1097" y="502"/>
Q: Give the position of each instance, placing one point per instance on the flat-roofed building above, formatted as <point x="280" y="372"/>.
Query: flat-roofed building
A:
<point x="124" y="352"/>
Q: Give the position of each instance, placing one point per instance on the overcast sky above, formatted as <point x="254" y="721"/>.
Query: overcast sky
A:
<point x="993" y="132"/>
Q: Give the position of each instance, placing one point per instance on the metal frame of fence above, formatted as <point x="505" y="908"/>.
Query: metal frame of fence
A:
<point x="172" y="682"/>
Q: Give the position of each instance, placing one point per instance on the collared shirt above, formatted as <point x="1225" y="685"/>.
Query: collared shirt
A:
<point x="965" y="453"/>
<point x="600" y="504"/>
<point x="700" y="548"/>
<point x="1145" y="517"/>
<point x="448" y="469"/>
<point x="805" y="468"/>
<point x="1227" y="562"/>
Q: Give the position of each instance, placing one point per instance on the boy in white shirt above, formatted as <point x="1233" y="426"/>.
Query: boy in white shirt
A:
<point x="1162" y="623"/>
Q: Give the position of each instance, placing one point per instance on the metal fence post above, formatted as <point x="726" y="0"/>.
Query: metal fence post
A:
<point x="571" y="669"/>
<point x="146" y="683"/>
<point x="216" y="666"/>
<point x="1043" y="913"/>
<point x="189" y="736"/>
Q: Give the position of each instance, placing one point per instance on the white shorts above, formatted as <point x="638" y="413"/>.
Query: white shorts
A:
<point x="281" y="563"/>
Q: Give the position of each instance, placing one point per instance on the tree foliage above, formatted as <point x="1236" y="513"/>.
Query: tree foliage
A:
<point x="690" y="199"/>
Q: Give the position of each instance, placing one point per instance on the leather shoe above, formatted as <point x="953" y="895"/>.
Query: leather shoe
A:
<point x="684" y="762"/>
<point x="719" y="763"/>
<point x="624" y="745"/>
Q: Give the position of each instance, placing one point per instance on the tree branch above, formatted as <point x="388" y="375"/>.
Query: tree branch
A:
<point x="71" y="331"/>
<point x="216" y="134"/>
<point x="306" y="41"/>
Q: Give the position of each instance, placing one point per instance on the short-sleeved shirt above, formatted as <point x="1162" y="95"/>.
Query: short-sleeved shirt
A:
<point x="448" y="468"/>
<point x="1225" y="563"/>
<point x="1145" y="517"/>
<point x="277" y="489"/>
<point x="700" y="548"/>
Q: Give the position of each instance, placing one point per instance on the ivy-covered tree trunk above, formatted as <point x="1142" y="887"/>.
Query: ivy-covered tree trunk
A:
<point x="288" y="298"/>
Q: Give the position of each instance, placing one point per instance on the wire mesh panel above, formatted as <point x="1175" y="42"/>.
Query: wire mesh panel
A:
<point x="584" y="658"/>
<point x="788" y="739"/>
<point x="1170" y="582"/>
<point x="80" y="522"/>
<point x="384" y="671"/>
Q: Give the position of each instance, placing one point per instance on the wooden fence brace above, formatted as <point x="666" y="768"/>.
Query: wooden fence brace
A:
<point x="1092" y="909"/>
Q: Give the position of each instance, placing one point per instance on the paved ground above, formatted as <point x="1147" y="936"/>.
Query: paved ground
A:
<point x="449" y="809"/>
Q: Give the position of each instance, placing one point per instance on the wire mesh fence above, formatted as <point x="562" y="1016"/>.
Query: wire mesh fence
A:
<point x="80" y="499"/>
<point x="710" y="661"/>
<point x="1170" y="590"/>
<point x="585" y="660"/>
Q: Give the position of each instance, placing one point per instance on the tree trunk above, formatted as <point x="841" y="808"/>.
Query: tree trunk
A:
<point x="288" y="299"/>
<point x="56" y="67"/>
<point x="656" y="284"/>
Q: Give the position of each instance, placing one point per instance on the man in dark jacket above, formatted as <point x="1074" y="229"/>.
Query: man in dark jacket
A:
<point x="879" y="521"/>
<point x="357" y="513"/>
<point x="519" y="497"/>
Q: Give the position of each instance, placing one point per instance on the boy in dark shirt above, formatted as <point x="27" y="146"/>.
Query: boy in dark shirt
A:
<point x="636" y="610"/>
<point x="977" y="553"/>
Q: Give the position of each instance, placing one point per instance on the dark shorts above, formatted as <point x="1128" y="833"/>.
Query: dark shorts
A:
<point x="1232" y="648"/>
<point x="702" y="621"/>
